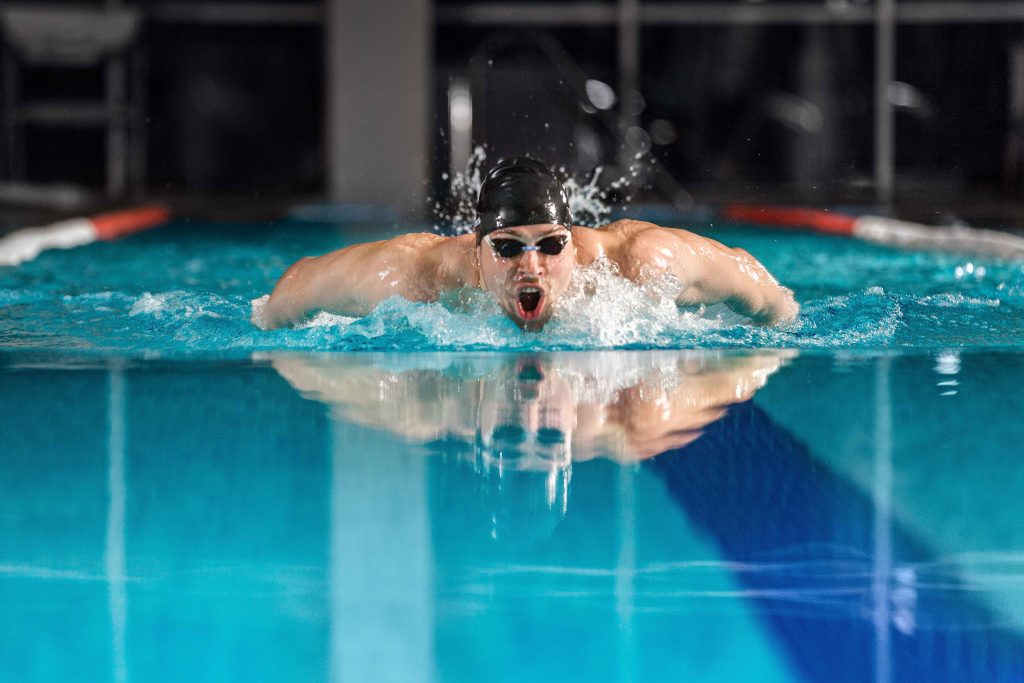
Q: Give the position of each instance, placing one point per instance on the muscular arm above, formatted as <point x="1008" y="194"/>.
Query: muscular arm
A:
<point x="711" y="273"/>
<point x="353" y="280"/>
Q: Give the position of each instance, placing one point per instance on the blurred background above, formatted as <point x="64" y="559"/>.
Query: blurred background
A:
<point x="244" y="107"/>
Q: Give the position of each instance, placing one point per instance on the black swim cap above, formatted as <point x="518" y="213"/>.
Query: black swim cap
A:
<point x="520" y="191"/>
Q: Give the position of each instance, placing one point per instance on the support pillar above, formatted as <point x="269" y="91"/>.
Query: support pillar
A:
<point x="378" y="74"/>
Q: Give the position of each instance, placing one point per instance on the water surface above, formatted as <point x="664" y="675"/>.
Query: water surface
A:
<point x="453" y="516"/>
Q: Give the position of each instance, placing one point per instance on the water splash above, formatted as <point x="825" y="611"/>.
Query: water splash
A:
<point x="590" y="197"/>
<point x="605" y="307"/>
<point x="459" y="211"/>
<point x="588" y="201"/>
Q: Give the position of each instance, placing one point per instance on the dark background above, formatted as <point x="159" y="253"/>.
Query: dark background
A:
<point x="780" y="110"/>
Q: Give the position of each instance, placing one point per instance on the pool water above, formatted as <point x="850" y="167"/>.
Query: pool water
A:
<point x="378" y="517"/>
<point x="188" y="290"/>
<point x="186" y="497"/>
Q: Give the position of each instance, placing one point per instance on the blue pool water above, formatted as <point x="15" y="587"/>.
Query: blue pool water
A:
<point x="187" y="290"/>
<point x="186" y="497"/>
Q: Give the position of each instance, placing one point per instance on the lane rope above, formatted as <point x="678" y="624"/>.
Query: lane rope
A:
<point x="27" y="243"/>
<point x="882" y="230"/>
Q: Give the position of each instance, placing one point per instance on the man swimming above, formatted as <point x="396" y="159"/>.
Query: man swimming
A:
<point x="523" y="251"/>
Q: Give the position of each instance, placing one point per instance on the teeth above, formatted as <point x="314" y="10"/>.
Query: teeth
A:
<point x="530" y="289"/>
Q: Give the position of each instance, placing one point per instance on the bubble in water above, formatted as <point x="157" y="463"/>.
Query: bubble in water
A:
<point x="947" y="363"/>
<point x="969" y="270"/>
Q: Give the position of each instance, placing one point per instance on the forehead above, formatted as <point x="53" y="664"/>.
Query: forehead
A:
<point x="530" y="232"/>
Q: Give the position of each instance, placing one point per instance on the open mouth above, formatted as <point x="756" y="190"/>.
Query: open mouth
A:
<point x="530" y="302"/>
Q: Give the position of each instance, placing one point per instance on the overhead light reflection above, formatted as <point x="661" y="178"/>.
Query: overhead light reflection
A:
<point x="600" y="94"/>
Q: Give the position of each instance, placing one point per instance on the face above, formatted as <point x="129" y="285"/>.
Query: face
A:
<point x="528" y="283"/>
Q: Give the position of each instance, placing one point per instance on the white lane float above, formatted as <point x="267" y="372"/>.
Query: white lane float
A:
<point x="883" y="230"/>
<point x="27" y="243"/>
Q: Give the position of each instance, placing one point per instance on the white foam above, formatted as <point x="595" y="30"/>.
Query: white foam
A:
<point x="956" y="300"/>
<point x="151" y="304"/>
<point x="258" y="304"/>
<point x="177" y="303"/>
<point x="600" y="309"/>
<point x="609" y="310"/>
<point x="325" y="319"/>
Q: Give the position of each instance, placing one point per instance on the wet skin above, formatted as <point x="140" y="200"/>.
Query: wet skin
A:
<point x="525" y="286"/>
<point x="422" y="266"/>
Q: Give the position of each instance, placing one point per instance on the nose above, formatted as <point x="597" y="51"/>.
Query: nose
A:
<point x="529" y="262"/>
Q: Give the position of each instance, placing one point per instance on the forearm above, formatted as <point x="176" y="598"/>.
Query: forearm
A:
<point x="281" y="310"/>
<point x="739" y="280"/>
<point x="772" y="305"/>
<point x="288" y="302"/>
<point x="309" y="285"/>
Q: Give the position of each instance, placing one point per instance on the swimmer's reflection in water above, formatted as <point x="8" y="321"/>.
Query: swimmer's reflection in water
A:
<point x="523" y="451"/>
<point x="521" y="422"/>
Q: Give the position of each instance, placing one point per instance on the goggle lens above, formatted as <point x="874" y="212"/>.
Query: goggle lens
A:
<point x="509" y="248"/>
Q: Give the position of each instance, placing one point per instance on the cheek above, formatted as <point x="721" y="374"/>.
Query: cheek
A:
<point x="492" y="274"/>
<point x="561" y="272"/>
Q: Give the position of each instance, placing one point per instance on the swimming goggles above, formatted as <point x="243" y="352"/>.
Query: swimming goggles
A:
<point x="508" y="248"/>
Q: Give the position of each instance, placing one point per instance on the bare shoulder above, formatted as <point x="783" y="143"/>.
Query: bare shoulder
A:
<point x="627" y="227"/>
<point x="630" y="231"/>
<point x="413" y="242"/>
<point x="401" y="247"/>
<point x="354" y="279"/>
<point x="430" y="263"/>
<point x="608" y="241"/>
<point x="642" y="249"/>
<point x="451" y="261"/>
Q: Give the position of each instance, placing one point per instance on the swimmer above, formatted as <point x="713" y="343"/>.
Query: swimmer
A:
<point x="523" y="251"/>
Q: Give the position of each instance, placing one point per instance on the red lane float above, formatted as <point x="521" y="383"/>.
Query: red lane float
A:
<point x="882" y="230"/>
<point x="27" y="243"/>
<point x="801" y="218"/>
